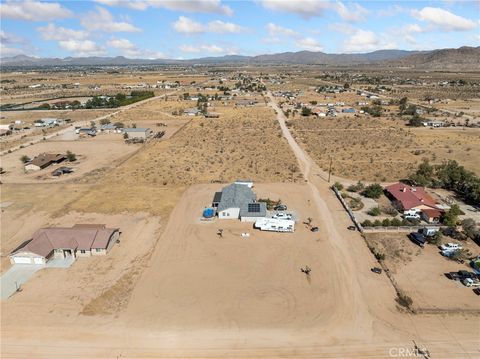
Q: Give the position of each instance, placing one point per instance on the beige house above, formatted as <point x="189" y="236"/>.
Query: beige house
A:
<point x="81" y="240"/>
<point x="44" y="160"/>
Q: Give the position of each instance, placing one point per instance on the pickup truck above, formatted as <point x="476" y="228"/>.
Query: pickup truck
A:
<point x="469" y="282"/>
<point x="450" y="246"/>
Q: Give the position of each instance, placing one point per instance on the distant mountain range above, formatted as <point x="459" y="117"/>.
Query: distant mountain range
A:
<point x="461" y="58"/>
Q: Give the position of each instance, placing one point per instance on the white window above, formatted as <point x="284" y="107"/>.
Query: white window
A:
<point x="98" y="249"/>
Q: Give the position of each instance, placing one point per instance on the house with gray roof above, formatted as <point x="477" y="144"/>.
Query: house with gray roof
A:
<point x="238" y="201"/>
<point x="138" y="132"/>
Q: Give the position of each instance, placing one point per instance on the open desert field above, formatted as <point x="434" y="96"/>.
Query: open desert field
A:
<point x="382" y="150"/>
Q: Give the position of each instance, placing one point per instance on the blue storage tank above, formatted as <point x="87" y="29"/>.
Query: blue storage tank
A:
<point x="208" y="212"/>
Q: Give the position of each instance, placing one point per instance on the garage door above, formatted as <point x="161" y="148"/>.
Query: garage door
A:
<point x="38" y="260"/>
<point x="22" y="260"/>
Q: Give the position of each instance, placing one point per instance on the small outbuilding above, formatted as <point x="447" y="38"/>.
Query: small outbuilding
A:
<point x="138" y="132"/>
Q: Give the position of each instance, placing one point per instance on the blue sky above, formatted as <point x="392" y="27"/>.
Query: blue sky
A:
<point x="190" y="29"/>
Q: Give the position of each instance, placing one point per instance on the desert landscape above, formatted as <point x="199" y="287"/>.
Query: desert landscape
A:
<point x="294" y="204"/>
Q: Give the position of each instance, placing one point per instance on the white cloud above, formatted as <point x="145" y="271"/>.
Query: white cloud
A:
<point x="365" y="41"/>
<point x="7" y="51"/>
<point x="82" y="47"/>
<point x="346" y="29"/>
<point x="355" y="13"/>
<point x="30" y="10"/>
<point x="128" y="49"/>
<point x="309" y="44"/>
<point x="9" y="38"/>
<point x="391" y="11"/>
<point x="276" y="30"/>
<point x="53" y="32"/>
<point x="443" y="20"/>
<point x="305" y="8"/>
<point x="11" y="45"/>
<point x="204" y="6"/>
<point x="189" y="26"/>
<point x="103" y="20"/>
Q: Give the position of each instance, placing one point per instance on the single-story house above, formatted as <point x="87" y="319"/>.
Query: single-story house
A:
<point x="245" y="182"/>
<point x="81" y="240"/>
<point x="138" y="132"/>
<point x="407" y="198"/>
<point x="238" y="201"/>
<point x="191" y="111"/>
<point x="212" y="115"/>
<point x="108" y="127"/>
<point x="244" y="103"/>
<point x="44" y="160"/>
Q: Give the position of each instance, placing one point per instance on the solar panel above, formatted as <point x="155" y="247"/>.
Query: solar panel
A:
<point x="254" y="207"/>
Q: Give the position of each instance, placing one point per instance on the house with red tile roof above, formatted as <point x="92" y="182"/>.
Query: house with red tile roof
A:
<point x="407" y="198"/>
<point x="80" y="240"/>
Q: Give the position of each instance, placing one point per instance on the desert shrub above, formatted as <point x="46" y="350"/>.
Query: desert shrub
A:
<point x="386" y="222"/>
<point x="119" y="124"/>
<point x="25" y="159"/>
<point x="375" y="211"/>
<point x="377" y="223"/>
<point x="367" y="223"/>
<point x="395" y="222"/>
<point x="404" y="300"/>
<point x="71" y="157"/>
<point x="338" y="186"/>
<point x="390" y="210"/>
<point x="373" y="191"/>
<point x="379" y="256"/>
<point x="356" y="187"/>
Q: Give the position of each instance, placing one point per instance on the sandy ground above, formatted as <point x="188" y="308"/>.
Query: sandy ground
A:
<point x="193" y="294"/>
<point x="98" y="153"/>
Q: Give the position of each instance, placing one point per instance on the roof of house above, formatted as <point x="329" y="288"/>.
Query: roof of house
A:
<point x="236" y="196"/>
<point x="46" y="159"/>
<point x="217" y="197"/>
<point x="410" y="197"/>
<point x="80" y="237"/>
<point x="257" y="209"/>
<point x="432" y="212"/>
<point x="139" y="129"/>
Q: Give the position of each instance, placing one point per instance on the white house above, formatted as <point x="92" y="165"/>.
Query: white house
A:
<point x="238" y="201"/>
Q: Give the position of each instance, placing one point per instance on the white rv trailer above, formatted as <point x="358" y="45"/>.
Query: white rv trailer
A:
<point x="275" y="225"/>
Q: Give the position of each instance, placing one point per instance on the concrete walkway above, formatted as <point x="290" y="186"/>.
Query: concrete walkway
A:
<point x="19" y="274"/>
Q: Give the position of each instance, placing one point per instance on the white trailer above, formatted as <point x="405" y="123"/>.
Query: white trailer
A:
<point x="275" y="225"/>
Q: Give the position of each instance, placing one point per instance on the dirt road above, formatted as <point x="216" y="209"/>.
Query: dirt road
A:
<point x="66" y="130"/>
<point x="355" y="299"/>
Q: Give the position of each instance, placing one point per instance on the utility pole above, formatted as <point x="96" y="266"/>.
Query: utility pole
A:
<point x="330" y="169"/>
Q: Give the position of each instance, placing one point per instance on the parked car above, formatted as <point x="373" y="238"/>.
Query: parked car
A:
<point x="352" y="228"/>
<point x="411" y="216"/>
<point x="453" y="276"/>
<point x="61" y="170"/>
<point x="376" y="270"/>
<point x="280" y="207"/>
<point x="314" y="229"/>
<point x="417" y="238"/>
<point x="282" y="215"/>
<point x="477" y="291"/>
<point x="450" y="247"/>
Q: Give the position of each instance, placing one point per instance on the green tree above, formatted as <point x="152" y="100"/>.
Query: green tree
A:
<point x="373" y="191"/>
<point x="338" y="186"/>
<point x="415" y="121"/>
<point x="71" y="157"/>
<point x="25" y="159"/>
<point x="375" y="211"/>
<point x="306" y="111"/>
<point x="451" y="217"/>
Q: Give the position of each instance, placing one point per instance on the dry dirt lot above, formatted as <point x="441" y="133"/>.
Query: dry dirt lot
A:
<point x="370" y="149"/>
<point x="419" y="273"/>
<point x="100" y="153"/>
